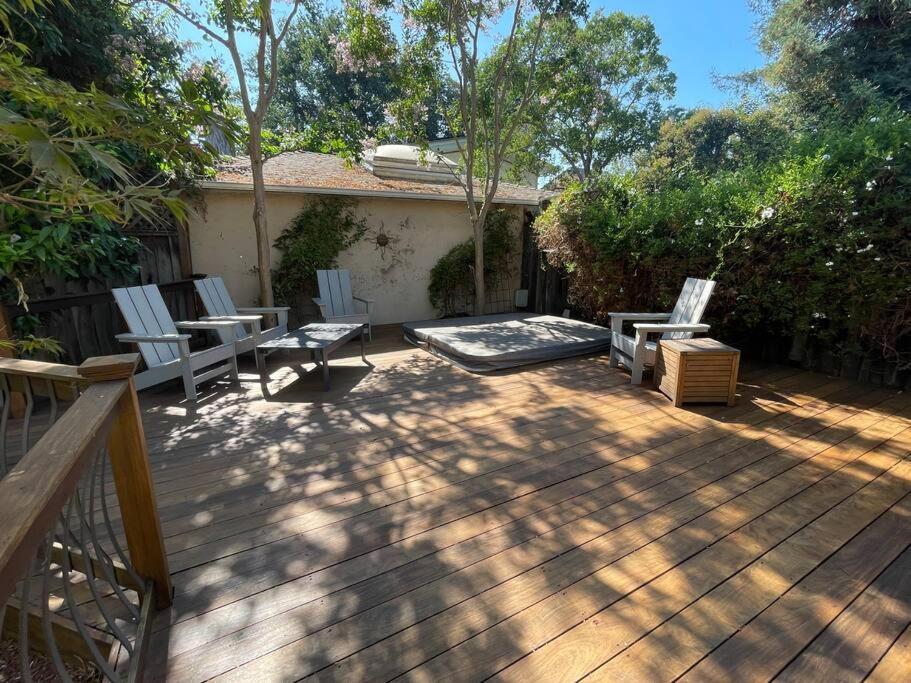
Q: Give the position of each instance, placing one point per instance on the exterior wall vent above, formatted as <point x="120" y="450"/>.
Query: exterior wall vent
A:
<point x="407" y="162"/>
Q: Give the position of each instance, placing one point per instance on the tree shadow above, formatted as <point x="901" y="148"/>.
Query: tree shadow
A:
<point x="418" y="519"/>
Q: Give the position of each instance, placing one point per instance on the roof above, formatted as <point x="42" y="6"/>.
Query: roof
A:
<point x="314" y="173"/>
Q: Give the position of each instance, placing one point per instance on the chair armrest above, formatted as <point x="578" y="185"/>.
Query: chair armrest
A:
<point x="323" y="309"/>
<point x="640" y="316"/>
<point x="264" y="309"/>
<point x="204" y="324"/>
<point x="667" y="327"/>
<point x="232" y="318"/>
<point x="152" y="339"/>
<point x="280" y="313"/>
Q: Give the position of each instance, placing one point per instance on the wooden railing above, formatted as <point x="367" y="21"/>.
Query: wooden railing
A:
<point x="71" y="587"/>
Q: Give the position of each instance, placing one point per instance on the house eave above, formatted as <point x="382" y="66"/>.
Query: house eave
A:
<point x="353" y="192"/>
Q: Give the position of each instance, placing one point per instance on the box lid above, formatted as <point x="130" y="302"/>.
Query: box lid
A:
<point x="701" y="344"/>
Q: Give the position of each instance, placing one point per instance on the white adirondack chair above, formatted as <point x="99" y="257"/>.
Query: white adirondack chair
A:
<point x="336" y="302"/>
<point x="219" y="306"/>
<point x="681" y="323"/>
<point x="166" y="352"/>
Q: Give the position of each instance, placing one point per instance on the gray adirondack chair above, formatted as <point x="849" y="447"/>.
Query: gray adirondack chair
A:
<point x="336" y="302"/>
<point x="248" y="332"/>
<point x="681" y="323"/>
<point x="166" y="352"/>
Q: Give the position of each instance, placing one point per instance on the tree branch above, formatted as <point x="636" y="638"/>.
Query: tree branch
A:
<point x="185" y="14"/>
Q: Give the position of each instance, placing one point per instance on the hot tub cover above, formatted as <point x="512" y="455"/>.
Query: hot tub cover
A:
<point x="494" y="342"/>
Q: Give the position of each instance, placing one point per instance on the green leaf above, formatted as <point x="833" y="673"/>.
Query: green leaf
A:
<point x="106" y="161"/>
<point x="7" y="116"/>
<point x="23" y="132"/>
<point x="46" y="156"/>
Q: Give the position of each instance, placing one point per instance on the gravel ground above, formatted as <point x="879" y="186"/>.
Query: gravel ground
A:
<point x="42" y="668"/>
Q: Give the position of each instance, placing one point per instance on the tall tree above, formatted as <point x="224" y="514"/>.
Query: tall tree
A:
<point x="598" y="88"/>
<point x="836" y="56"/>
<point x="488" y="120"/>
<point x="225" y="22"/>
<point x="330" y="100"/>
<point x="124" y="50"/>
<point x="331" y="103"/>
<point x="444" y="42"/>
<point x="79" y="156"/>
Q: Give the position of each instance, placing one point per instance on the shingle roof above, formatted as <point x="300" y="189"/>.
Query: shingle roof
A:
<point x="313" y="172"/>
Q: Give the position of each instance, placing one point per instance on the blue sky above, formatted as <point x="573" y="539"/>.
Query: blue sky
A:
<point x="701" y="37"/>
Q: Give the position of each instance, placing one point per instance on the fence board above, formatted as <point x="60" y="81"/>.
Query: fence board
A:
<point x="82" y="314"/>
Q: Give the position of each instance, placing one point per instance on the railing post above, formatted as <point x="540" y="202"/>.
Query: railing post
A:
<point x="133" y="476"/>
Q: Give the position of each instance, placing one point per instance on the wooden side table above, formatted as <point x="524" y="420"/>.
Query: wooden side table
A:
<point x="697" y="370"/>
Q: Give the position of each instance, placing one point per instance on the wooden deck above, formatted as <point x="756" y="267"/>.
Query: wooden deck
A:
<point x="549" y="524"/>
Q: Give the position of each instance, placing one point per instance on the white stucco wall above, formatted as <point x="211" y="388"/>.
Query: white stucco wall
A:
<point x="222" y="242"/>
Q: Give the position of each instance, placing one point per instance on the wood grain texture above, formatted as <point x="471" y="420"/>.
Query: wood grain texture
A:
<point x="896" y="663"/>
<point x="850" y="646"/>
<point x="423" y="522"/>
<point x="34" y="491"/>
<point x="136" y="496"/>
<point x="697" y="371"/>
<point x="770" y="640"/>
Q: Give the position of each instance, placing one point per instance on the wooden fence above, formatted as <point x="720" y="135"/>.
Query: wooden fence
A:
<point x="82" y="315"/>
<point x="85" y="323"/>
<point x="546" y="285"/>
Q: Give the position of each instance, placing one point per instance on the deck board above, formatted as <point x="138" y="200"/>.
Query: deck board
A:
<point x="896" y="663"/>
<point x="854" y="642"/>
<point x="547" y="524"/>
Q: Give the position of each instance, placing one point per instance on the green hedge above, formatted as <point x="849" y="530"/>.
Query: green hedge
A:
<point x="811" y="244"/>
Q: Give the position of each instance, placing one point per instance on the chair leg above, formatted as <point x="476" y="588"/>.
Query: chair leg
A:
<point x="189" y="383"/>
<point x="638" y="358"/>
<point x="616" y="331"/>
<point x="638" y="366"/>
<point x="234" y="372"/>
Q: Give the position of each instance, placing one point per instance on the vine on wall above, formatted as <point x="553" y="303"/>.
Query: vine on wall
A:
<point x="318" y="234"/>
<point x="451" y="286"/>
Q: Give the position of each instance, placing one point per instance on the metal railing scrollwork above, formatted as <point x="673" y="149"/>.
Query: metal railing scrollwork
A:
<point x="77" y="595"/>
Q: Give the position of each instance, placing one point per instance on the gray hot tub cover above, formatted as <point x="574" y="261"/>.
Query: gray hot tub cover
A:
<point x="494" y="342"/>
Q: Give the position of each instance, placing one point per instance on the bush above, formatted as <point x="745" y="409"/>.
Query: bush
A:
<point x="314" y="239"/>
<point x="813" y="245"/>
<point x="451" y="286"/>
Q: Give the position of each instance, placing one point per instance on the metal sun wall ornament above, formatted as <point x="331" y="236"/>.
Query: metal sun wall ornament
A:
<point x="381" y="240"/>
<point x="391" y="244"/>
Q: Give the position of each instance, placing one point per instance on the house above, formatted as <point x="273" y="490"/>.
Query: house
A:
<point x="414" y="208"/>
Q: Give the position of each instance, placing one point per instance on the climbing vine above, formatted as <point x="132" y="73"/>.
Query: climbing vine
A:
<point x="451" y="286"/>
<point x="318" y="234"/>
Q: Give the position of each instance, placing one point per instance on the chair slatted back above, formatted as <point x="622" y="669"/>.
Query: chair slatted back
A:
<point x="691" y="304"/>
<point x="216" y="300"/>
<point x="145" y="313"/>
<point x="335" y="291"/>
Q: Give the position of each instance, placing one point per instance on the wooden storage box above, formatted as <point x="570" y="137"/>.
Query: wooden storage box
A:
<point x="696" y="370"/>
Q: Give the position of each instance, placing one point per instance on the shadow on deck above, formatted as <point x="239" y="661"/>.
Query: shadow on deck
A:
<point x="546" y="523"/>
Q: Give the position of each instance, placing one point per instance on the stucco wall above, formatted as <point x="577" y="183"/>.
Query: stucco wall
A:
<point x="222" y="242"/>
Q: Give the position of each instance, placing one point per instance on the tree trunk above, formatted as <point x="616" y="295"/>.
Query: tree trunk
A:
<point x="480" y="297"/>
<point x="263" y="244"/>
